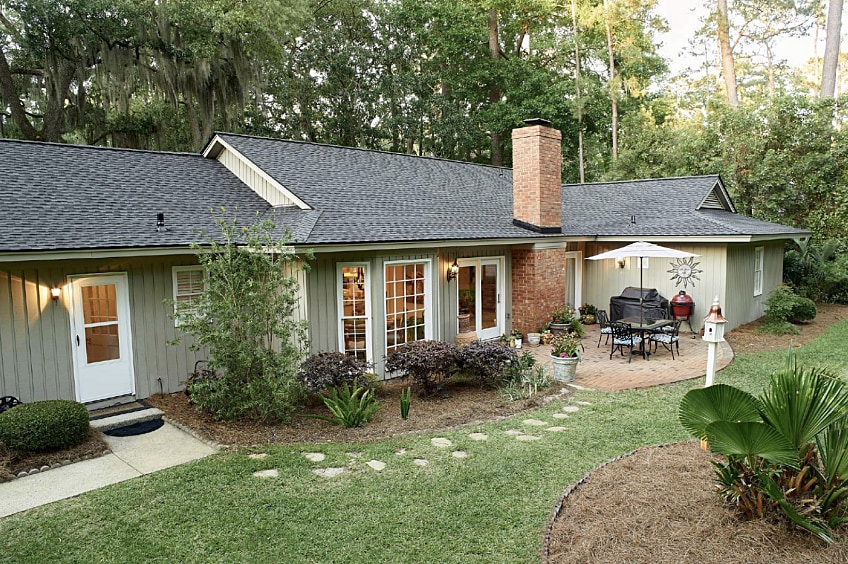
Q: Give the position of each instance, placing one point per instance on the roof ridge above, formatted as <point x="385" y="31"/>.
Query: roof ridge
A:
<point x="364" y="149"/>
<point x="98" y="147"/>
<point x="645" y="180"/>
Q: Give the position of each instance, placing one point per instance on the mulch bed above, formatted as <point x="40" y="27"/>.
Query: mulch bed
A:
<point x="12" y="463"/>
<point x="466" y="403"/>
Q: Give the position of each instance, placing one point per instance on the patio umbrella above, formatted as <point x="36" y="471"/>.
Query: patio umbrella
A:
<point x="642" y="249"/>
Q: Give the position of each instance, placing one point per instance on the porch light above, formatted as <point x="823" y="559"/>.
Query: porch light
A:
<point x="55" y="292"/>
<point x="453" y="270"/>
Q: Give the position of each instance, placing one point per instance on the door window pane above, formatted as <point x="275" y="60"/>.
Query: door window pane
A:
<point x="489" y="296"/>
<point x="354" y="316"/>
<point x="468" y="292"/>
<point x="99" y="304"/>
<point x="101" y="343"/>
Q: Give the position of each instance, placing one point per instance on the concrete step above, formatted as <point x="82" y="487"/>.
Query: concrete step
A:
<point x="124" y="419"/>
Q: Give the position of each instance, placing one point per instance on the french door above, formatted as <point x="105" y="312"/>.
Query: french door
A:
<point x="480" y="293"/>
<point x="354" y="296"/>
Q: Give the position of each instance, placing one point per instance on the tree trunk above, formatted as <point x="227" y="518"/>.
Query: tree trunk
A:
<point x="579" y="101"/>
<point x="831" y="48"/>
<point x="612" y="87"/>
<point x="727" y="65"/>
<point x="494" y="87"/>
<point x="10" y="94"/>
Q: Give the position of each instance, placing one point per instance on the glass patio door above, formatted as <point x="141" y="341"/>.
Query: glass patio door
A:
<point x="355" y="311"/>
<point x="481" y="294"/>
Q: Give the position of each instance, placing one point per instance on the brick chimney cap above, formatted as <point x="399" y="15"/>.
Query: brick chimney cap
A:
<point x="537" y="121"/>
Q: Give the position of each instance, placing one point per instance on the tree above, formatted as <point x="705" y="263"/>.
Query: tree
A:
<point x="245" y="318"/>
<point x="831" y="48"/>
<point x="727" y="62"/>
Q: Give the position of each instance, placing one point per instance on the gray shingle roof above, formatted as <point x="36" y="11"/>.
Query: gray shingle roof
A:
<point x="62" y="197"/>
<point x="372" y="196"/>
<point x="654" y="208"/>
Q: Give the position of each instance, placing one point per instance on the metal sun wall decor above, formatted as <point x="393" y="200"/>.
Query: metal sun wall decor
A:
<point x="685" y="271"/>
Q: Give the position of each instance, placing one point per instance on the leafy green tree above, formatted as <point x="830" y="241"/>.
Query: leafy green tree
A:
<point x="245" y="319"/>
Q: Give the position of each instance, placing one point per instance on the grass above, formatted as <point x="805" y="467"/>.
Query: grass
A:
<point x="492" y="506"/>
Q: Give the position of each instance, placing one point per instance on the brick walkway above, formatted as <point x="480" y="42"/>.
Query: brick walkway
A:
<point x="597" y="371"/>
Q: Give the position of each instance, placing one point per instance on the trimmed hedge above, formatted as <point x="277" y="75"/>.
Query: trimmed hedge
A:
<point x="44" y="425"/>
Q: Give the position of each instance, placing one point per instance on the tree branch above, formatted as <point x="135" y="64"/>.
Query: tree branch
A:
<point x="10" y="94"/>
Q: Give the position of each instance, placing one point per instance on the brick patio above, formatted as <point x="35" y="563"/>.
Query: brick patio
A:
<point x="597" y="371"/>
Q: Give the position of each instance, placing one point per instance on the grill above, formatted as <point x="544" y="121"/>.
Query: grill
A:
<point x="654" y="306"/>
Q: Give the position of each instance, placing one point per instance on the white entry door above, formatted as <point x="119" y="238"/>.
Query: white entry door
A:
<point x="481" y="295"/>
<point x="100" y="334"/>
<point x="574" y="279"/>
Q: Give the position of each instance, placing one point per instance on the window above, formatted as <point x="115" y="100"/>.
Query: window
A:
<point x="758" y="271"/>
<point x="354" y="308"/>
<point x="188" y="287"/>
<point x="407" y="295"/>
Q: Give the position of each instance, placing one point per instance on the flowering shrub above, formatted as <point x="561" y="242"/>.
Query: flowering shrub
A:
<point x="565" y="345"/>
<point x="327" y="370"/>
<point x="488" y="361"/>
<point x="427" y="362"/>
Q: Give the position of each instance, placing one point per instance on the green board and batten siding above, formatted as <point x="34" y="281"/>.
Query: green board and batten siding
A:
<point x="36" y="360"/>
<point x="741" y="302"/>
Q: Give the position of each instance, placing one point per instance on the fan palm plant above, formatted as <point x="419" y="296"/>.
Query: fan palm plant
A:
<point x="786" y="450"/>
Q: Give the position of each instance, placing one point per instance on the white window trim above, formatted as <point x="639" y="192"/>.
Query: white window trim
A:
<point x="369" y="334"/>
<point x="759" y="259"/>
<point x="175" y="270"/>
<point x="578" y="276"/>
<point x="428" y="297"/>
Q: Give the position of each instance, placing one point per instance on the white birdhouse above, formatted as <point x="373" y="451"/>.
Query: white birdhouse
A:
<point x="714" y="324"/>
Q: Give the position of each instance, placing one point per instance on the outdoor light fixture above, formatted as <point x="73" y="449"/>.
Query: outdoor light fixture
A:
<point x="55" y="292"/>
<point x="620" y="262"/>
<point x="453" y="270"/>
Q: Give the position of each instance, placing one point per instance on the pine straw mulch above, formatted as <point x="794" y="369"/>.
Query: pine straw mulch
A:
<point x="466" y="403"/>
<point x="659" y="504"/>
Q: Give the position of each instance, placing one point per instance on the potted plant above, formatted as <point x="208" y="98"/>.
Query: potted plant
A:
<point x="565" y="354"/>
<point x="516" y="338"/>
<point x="587" y="314"/>
<point x="561" y="319"/>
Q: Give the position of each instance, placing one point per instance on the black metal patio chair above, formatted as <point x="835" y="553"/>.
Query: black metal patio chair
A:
<point x="622" y="336"/>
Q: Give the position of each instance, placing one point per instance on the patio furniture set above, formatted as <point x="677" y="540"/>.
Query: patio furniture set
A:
<point x="634" y="332"/>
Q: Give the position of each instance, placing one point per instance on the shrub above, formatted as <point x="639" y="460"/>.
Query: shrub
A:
<point x="44" y="425"/>
<point x="429" y="363"/>
<point x="780" y="303"/>
<point x="351" y="406"/>
<point x="244" y="318"/>
<point x="785" y="451"/>
<point x="803" y="310"/>
<point x="327" y="370"/>
<point x="486" y="361"/>
<point x="524" y="379"/>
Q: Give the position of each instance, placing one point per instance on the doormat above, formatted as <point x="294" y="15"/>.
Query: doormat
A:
<point x="139" y="428"/>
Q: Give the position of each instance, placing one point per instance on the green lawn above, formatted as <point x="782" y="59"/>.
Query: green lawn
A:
<point x="490" y="507"/>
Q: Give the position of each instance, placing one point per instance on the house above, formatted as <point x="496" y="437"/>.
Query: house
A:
<point x="95" y="240"/>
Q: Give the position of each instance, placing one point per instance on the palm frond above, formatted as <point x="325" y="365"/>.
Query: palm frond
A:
<point x="721" y="402"/>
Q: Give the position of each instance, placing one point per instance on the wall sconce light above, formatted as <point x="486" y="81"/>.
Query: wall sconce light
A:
<point x="620" y="262"/>
<point x="453" y="270"/>
<point x="55" y="292"/>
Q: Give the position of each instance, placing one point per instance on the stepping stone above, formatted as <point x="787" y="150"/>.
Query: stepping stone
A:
<point x="354" y="454"/>
<point x="441" y="442"/>
<point x="272" y="473"/>
<point x="583" y="403"/>
<point x="328" y="472"/>
<point x="535" y="422"/>
<point x="555" y="429"/>
<point x="258" y="455"/>
<point x="459" y="454"/>
<point x="376" y="465"/>
<point x="478" y="436"/>
<point x="527" y="438"/>
<point x="421" y="461"/>
<point x="512" y="432"/>
<point x="560" y="416"/>
<point x="401" y="452"/>
<point x="570" y="408"/>
<point x="315" y="456"/>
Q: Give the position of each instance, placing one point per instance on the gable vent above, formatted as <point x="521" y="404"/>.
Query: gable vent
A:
<point x="712" y="202"/>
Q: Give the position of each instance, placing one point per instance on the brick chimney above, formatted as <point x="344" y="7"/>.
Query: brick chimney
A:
<point x="537" y="177"/>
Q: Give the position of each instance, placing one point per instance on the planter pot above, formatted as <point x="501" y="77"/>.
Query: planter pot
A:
<point x="533" y="339"/>
<point x="464" y="322"/>
<point x="517" y="343"/>
<point x="564" y="368"/>
<point x="557" y="328"/>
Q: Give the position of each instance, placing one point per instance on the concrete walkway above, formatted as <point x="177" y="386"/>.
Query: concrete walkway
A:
<point x="130" y="457"/>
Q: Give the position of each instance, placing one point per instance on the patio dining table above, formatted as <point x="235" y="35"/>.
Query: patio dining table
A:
<point x="645" y="327"/>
